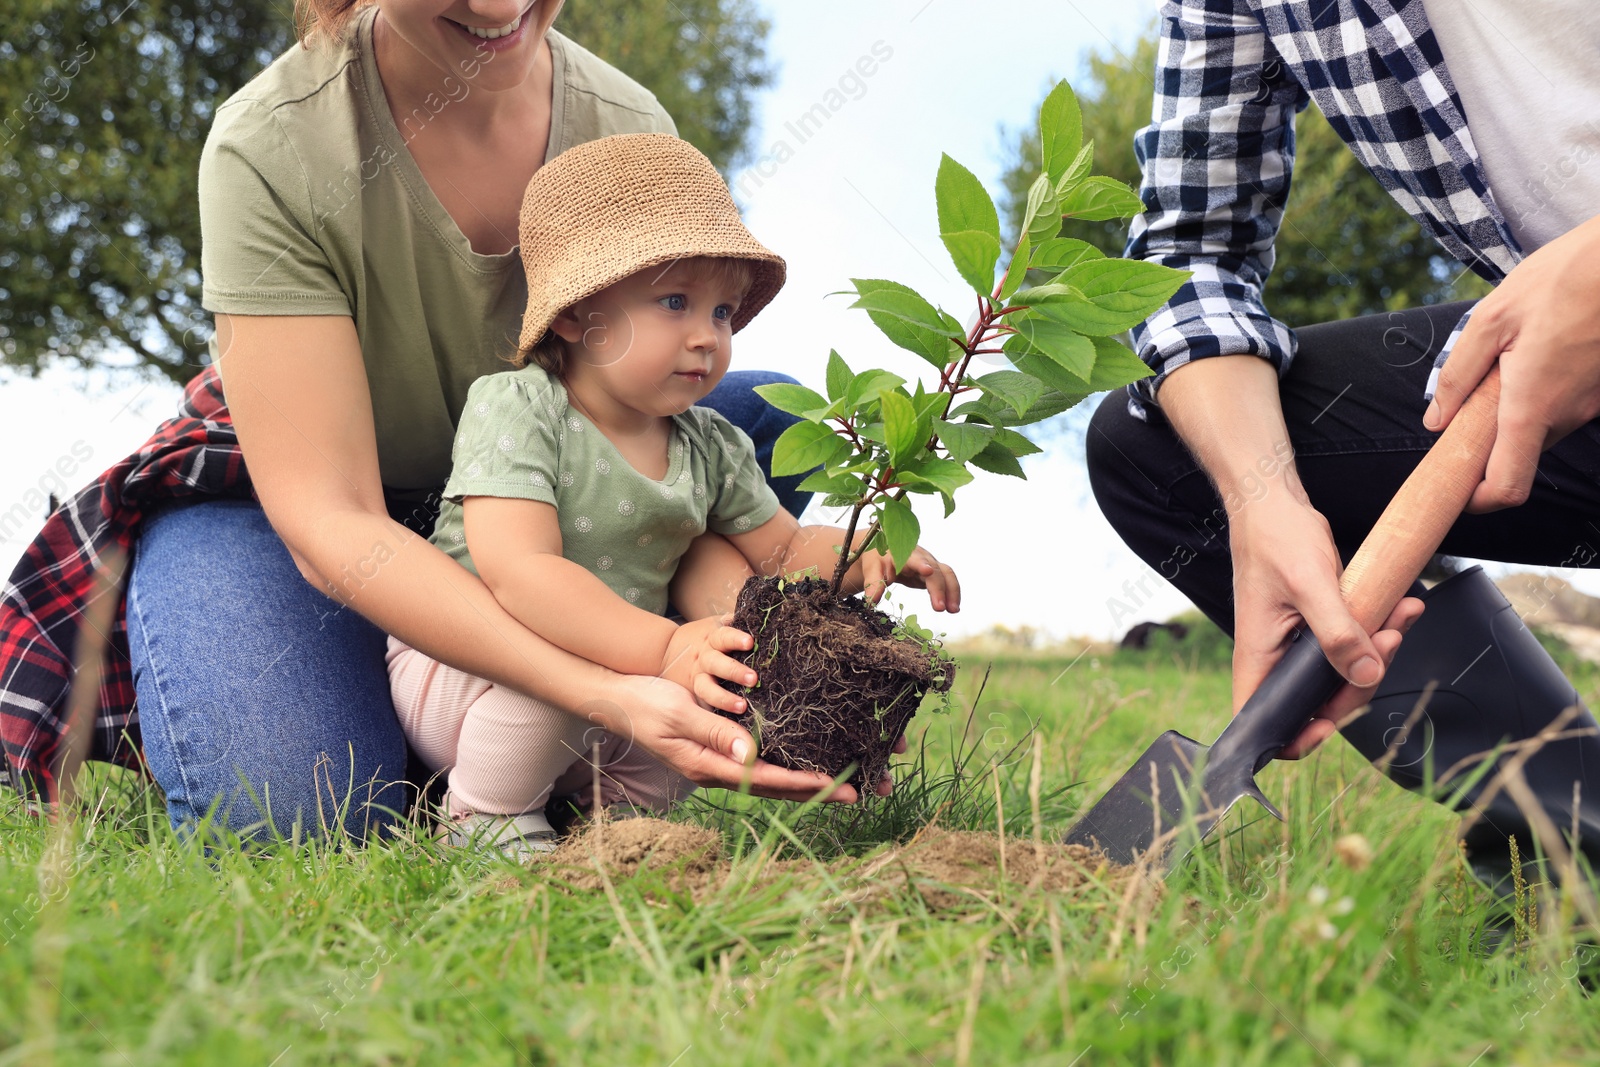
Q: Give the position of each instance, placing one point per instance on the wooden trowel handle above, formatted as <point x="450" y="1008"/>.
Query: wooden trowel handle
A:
<point x="1411" y="528"/>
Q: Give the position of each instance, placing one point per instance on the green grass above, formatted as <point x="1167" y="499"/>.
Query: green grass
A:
<point x="1264" y="948"/>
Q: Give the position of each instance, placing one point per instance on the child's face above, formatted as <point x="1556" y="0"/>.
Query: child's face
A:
<point x="656" y="342"/>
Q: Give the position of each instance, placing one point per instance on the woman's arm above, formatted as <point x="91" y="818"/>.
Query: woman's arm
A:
<point x="297" y="389"/>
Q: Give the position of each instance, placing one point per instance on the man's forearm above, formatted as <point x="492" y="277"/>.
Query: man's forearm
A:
<point x="1227" y="411"/>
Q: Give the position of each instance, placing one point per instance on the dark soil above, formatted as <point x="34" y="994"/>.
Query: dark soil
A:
<point x="837" y="687"/>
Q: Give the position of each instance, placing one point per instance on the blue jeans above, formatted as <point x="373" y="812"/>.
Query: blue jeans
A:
<point x="263" y="699"/>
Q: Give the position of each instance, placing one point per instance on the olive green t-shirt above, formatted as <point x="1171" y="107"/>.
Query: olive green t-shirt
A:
<point x="311" y="204"/>
<point x="520" y="437"/>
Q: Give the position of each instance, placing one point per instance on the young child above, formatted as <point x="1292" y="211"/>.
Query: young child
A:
<point x="582" y="479"/>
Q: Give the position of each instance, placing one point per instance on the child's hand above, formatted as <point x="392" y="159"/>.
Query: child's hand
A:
<point x="921" y="571"/>
<point x="697" y="656"/>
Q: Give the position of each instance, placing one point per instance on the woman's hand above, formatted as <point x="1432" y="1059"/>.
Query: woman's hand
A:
<point x="1286" y="574"/>
<point x="697" y="655"/>
<point x="921" y="571"/>
<point x="704" y="747"/>
<point x="1543" y="324"/>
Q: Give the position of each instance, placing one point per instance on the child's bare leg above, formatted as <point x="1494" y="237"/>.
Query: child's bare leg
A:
<point x="503" y="750"/>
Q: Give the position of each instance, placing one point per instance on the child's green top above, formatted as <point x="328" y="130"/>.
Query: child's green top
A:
<point x="311" y="204"/>
<point x="519" y="437"/>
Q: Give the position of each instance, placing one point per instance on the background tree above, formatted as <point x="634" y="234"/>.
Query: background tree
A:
<point x="1345" y="247"/>
<point x="105" y="105"/>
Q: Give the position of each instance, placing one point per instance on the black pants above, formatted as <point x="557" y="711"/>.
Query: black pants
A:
<point x="1353" y="404"/>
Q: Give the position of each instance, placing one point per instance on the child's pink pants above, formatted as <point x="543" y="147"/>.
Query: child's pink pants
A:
<point x="507" y="754"/>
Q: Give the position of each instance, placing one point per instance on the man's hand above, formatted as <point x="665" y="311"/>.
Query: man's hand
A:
<point x="1286" y="574"/>
<point x="1543" y="325"/>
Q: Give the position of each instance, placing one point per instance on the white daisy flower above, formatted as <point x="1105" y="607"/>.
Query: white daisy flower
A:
<point x="625" y="507"/>
<point x="601" y="466"/>
<point x="604" y="563"/>
<point x="645" y="539"/>
<point x="583" y="524"/>
<point x="688" y="524"/>
<point x="458" y="537"/>
<point x="506" y="443"/>
<point x="474" y="469"/>
<point x="537" y="478"/>
<point x="667" y="493"/>
<point x="566" y="478"/>
<point x="699" y="491"/>
<point x="574" y="425"/>
<point x="482" y="408"/>
<point x="742" y="522"/>
<point x="727" y="482"/>
<point x="631" y="595"/>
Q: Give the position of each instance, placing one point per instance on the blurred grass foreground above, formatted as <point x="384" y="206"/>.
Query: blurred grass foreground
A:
<point x="765" y="933"/>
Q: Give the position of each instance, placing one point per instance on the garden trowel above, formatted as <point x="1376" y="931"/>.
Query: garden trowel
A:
<point x="1177" y="792"/>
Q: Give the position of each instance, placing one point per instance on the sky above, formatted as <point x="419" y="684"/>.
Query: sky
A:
<point x="846" y="193"/>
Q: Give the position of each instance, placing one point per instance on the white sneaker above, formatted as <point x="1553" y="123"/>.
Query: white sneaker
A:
<point x="519" y="837"/>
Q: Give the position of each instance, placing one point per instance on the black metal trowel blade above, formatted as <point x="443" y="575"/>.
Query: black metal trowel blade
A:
<point x="1177" y="792"/>
<point x="1154" y="812"/>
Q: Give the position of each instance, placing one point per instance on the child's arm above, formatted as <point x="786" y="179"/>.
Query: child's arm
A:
<point x="782" y="546"/>
<point x="516" y="546"/>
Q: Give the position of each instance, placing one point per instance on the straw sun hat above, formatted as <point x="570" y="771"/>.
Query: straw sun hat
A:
<point x="613" y="207"/>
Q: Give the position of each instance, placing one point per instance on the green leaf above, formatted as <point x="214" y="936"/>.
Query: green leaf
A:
<point x="1072" y="350"/>
<point x="934" y="474"/>
<point x="839" y="375"/>
<point x="868" y="386"/>
<point x="1043" y="217"/>
<point x="1015" y="443"/>
<point x="1030" y="361"/>
<point x="1060" y="130"/>
<point x="969" y="226"/>
<point x="929" y="336"/>
<point x="900" y="427"/>
<point x="1115" y="365"/>
<point x="806" y="445"/>
<point x="929" y="406"/>
<point x="1059" y="253"/>
<point x="1077" y="170"/>
<point x="794" y="399"/>
<point x="834" y="484"/>
<point x="1116" y="294"/>
<point x="1048" y="406"/>
<point x="1053" y="292"/>
<point x="898" y="301"/>
<point x="1017" y="270"/>
<point x="1013" y="388"/>
<point x="1100" y="198"/>
<point x="997" y="459"/>
<point x="901" y="531"/>
<point x="963" y="440"/>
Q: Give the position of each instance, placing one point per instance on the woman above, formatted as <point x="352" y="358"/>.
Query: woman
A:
<point x="359" y="210"/>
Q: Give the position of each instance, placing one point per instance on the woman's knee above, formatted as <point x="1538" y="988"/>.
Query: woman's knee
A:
<point x="263" y="705"/>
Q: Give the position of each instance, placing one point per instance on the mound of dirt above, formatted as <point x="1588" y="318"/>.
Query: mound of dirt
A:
<point x="950" y="869"/>
<point x="689" y="857"/>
